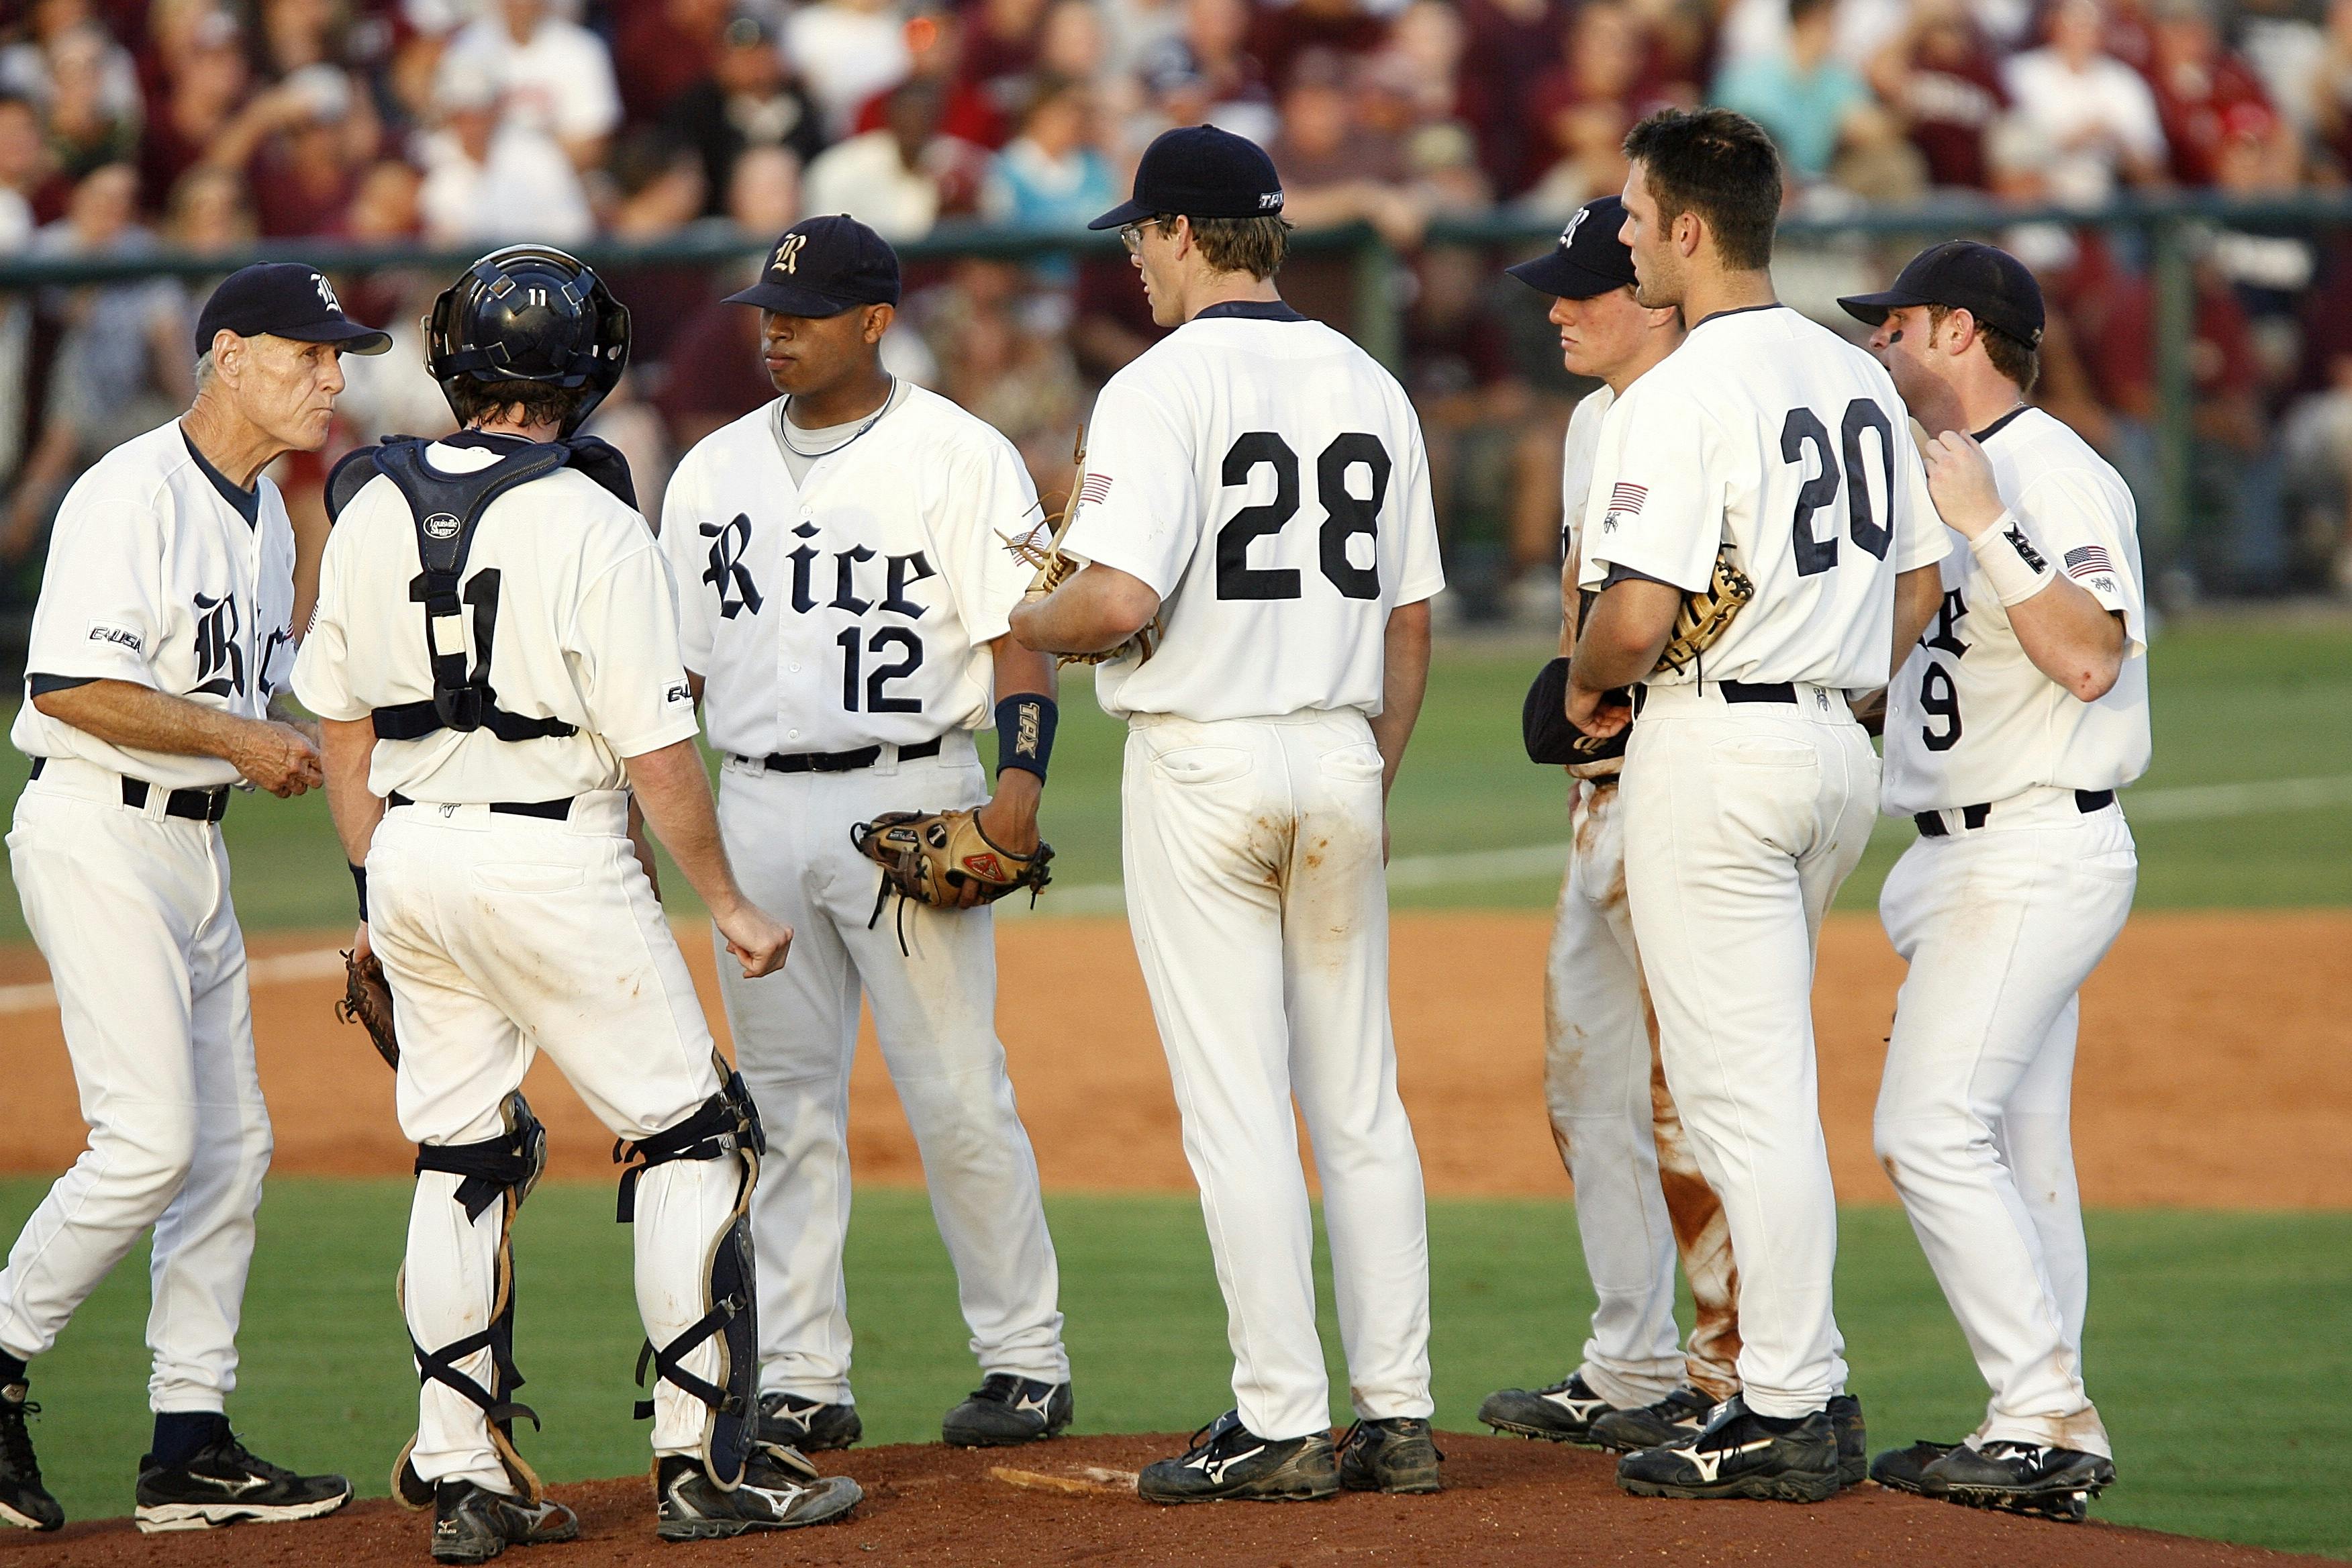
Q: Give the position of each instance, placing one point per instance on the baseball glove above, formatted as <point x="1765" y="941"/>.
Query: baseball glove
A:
<point x="1705" y="616"/>
<point x="1053" y="568"/>
<point x="1551" y="739"/>
<point x="367" y="1001"/>
<point x="946" y="859"/>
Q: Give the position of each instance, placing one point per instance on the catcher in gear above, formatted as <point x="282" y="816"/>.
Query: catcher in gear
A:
<point x="494" y="662"/>
<point x="844" y="586"/>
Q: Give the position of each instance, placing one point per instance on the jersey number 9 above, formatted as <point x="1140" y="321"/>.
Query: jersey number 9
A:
<point x="1345" y="515"/>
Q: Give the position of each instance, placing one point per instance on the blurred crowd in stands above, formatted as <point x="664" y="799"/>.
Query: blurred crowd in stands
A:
<point x="127" y="126"/>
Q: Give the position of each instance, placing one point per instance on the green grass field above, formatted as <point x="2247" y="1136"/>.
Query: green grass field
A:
<point x="2224" y="1394"/>
<point x="2218" y="1342"/>
<point x="2235" y="702"/>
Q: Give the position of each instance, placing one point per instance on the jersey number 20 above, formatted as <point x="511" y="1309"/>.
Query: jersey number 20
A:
<point x="1345" y="515"/>
<point x="1803" y="428"/>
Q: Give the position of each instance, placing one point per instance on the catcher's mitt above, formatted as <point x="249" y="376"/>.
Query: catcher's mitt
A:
<point x="367" y="1001"/>
<point x="1053" y="568"/>
<point x="1553" y="741"/>
<point x="946" y="859"/>
<point x="1704" y="617"/>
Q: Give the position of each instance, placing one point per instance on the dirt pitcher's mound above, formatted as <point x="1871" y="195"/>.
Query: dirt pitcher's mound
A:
<point x="1506" y="1502"/>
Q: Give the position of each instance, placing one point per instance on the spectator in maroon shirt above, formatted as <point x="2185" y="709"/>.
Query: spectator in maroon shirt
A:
<point x="1280" y="36"/>
<point x="1942" y="79"/>
<point x="999" y="46"/>
<point x="303" y="173"/>
<point x="208" y="85"/>
<point x="2204" y="94"/>
<point x="662" y="48"/>
<point x="1510" y="44"/>
<point x="1584" y="105"/>
<point x="935" y="41"/>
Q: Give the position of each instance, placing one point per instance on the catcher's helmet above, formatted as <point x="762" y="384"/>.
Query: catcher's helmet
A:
<point x="529" y="312"/>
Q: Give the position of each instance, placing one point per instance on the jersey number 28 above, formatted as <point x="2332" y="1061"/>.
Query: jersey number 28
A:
<point x="1345" y="515"/>
<point x="1803" y="428"/>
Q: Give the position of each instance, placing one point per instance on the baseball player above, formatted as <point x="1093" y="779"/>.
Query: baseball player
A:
<point x="494" y="660"/>
<point x="163" y="634"/>
<point x="1615" y="1126"/>
<point x="1766" y="451"/>
<point x="1257" y="487"/>
<point x="2010" y="728"/>
<point x="845" y="582"/>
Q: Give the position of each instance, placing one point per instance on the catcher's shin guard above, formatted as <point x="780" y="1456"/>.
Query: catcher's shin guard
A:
<point x="726" y="1127"/>
<point x="501" y="1170"/>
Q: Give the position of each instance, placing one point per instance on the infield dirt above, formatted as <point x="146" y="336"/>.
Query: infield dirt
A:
<point x="2209" y="1041"/>
<point x="1506" y="1503"/>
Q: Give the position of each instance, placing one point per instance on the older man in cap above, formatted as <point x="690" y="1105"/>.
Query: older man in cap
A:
<point x="164" y="628"/>
<point x="843" y="588"/>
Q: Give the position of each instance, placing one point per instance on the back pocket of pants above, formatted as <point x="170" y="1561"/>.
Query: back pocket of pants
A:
<point x="1203" y="764"/>
<point x="1353" y="765"/>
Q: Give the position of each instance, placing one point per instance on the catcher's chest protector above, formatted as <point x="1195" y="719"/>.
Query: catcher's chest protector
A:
<point x="445" y="510"/>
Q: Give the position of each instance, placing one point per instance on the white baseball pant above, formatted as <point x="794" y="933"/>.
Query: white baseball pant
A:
<point x="131" y="910"/>
<point x="2001" y="925"/>
<point x="1639" y="1197"/>
<point x="935" y="1018"/>
<point x="1259" y="902"/>
<point x="503" y="936"/>
<point x="1742" y="820"/>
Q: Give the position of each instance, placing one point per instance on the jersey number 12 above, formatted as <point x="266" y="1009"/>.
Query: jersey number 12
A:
<point x="1345" y="515"/>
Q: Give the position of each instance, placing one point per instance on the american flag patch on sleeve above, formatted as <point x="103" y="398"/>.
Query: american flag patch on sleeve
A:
<point x="1094" y="489"/>
<point x="2088" y="560"/>
<point x="1627" y="497"/>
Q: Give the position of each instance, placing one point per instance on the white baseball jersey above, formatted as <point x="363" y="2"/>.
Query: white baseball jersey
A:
<point x="1970" y="719"/>
<point x="582" y="628"/>
<point x="1771" y="434"/>
<point x="1268" y="478"/>
<point x="161" y="573"/>
<point x="1577" y="459"/>
<point x="856" y="607"/>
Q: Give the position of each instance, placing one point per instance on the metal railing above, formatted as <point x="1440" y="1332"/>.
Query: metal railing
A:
<point x="2168" y="226"/>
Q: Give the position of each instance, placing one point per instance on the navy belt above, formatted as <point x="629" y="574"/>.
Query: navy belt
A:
<point x="1931" y="824"/>
<point x="553" y="810"/>
<point x="1737" y="691"/>
<point x="194" y="804"/>
<point x="840" y="761"/>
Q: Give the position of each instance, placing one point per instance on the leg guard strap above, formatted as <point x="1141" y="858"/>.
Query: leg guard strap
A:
<point x="724" y="1123"/>
<point x="725" y="1127"/>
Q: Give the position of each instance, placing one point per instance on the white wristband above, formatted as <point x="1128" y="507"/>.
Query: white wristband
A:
<point x="2017" y="570"/>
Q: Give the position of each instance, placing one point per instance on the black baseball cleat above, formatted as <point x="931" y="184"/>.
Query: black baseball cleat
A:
<point x="472" y="1524"/>
<point x="2021" y="1478"/>
<point x="1736" y="1456"/>
<point x="1905" y="1469"/>
<point x="1679" y="1415"/>
<point x="1393" y="1454"/>
<point x="1852" y="1439"/>
<point x="809" y="1425"/>
<point x="24" y="1502"/>
<point x="225" y="1483"/>
<point x="1229" y="1463"/>
<point x="775" y="1493"/>
<point x="1005" y="1410"/>
<point x="1564" y="1413"/>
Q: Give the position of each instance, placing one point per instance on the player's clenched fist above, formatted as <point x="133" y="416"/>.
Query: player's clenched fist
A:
<point x="1960" y="479"/>
<point x="278" y="758"/>
<point x="758" y="940"/>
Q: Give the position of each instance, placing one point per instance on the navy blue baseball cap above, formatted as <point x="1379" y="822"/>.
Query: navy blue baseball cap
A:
<point x="824" y="265"/>
<point x="1199" y="171"/>
<point x="1985" y="281"/>
<point x="1589" y="258"/>
<point x="284" y="299"/>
